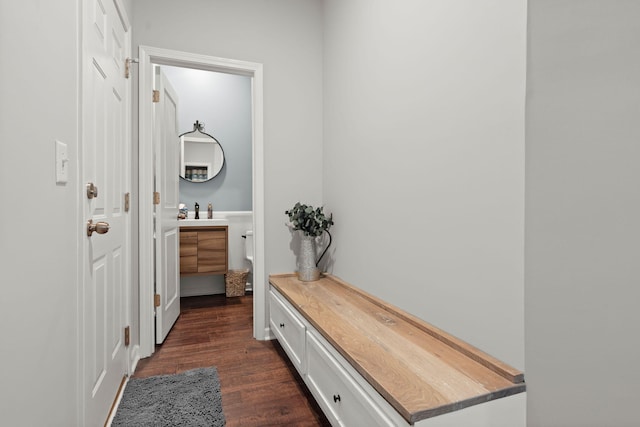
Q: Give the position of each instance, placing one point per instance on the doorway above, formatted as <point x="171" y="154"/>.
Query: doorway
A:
<point x="148" y="57"/>
<point x="214" y="126"/>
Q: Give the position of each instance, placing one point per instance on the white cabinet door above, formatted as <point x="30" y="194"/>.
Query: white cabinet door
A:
<point x="345" y="403"/>
<point x="289" y="330"/>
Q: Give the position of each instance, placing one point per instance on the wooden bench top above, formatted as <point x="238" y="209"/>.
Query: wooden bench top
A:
<point x="419" y="369"/>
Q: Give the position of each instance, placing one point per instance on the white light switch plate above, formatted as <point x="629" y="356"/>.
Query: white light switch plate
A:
<point x="62" y="163"/>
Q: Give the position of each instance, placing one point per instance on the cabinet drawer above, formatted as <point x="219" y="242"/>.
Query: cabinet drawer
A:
<point x="188" y="252"/>
<point x="212" y="251"/>
<point x="189" y="238"/>
<point x="288" y="329"/>
<point x="212" y="262"/>
<point x="188" y="264"/>
<point x="212" y="241"/>
<point x="344" y="402"/>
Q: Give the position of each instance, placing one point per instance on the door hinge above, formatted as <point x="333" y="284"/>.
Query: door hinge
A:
<point x="127" y="200"/>
<point x="127" y="336"/>
<point x="127" y="66"/>
<point x="156" y="96"/>
<point x="156" y="198"/>
<point x="156" y="300"/>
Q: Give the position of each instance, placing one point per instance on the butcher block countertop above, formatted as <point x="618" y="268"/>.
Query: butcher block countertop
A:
<point x="419" y="369"/>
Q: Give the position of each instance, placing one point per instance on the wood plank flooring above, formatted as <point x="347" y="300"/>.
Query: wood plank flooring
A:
<point x="259" y="385"/>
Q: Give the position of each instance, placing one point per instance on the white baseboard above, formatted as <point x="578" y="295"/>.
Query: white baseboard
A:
<point x="134" y="358"/>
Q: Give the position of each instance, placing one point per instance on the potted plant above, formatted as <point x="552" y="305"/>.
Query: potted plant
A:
<point x="312" y="223"/>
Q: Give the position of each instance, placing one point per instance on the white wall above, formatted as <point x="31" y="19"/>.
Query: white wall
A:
<point x="582" y="208"/>
<point x="424" y="160"/>
<point x="285" y="36"/>
<point x="38" y="219"/>
<point x="222" y="102"/>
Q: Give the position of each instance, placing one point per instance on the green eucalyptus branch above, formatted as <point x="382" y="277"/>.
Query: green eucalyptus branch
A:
<point x="311" y="221"/>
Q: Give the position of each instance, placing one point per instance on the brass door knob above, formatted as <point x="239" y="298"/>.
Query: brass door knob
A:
<point x="99" y="227"/>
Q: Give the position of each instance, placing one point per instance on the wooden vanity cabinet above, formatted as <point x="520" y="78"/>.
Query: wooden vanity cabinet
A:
<point x="204" y="250"/>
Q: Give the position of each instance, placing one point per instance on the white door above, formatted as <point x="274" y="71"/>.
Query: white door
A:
<point x="167" y="233"/>
<point x="105" y="163"/>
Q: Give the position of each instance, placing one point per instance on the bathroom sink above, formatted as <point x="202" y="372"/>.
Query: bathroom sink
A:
<point x="202" y="222"/>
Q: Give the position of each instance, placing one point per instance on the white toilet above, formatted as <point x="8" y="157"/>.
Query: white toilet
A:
<point x="248" y="254"/>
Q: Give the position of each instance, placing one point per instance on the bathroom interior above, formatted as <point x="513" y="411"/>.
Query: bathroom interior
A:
<point x="214" y="110"/>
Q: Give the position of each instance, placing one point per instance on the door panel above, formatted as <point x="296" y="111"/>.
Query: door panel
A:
<point x="104" y="162"/>
<point x="166" y="225"/>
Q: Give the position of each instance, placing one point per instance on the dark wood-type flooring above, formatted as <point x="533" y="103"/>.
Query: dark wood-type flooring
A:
<point x="259" y="385"/>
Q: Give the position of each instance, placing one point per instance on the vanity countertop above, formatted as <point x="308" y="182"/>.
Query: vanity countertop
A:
<point x="202" y="222"/>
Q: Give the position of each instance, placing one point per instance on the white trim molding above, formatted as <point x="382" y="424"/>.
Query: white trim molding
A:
<point x="149" y="56"/>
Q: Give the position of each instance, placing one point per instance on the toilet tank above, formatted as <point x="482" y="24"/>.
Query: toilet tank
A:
<point x="248" y="245"/>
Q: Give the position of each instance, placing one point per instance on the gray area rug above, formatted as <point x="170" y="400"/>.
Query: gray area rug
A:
<point x="191" y="398"/>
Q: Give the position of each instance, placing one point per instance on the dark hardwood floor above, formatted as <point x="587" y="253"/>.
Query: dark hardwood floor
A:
<point x="259" y="385"/>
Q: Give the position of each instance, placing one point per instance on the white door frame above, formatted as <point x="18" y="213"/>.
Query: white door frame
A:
<point x="151" y="55"/>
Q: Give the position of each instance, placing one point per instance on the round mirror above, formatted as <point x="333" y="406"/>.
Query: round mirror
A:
<point x="201" y="155"/>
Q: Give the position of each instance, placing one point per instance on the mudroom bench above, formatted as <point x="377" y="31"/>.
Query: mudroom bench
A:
<point x="368" y="363"/>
